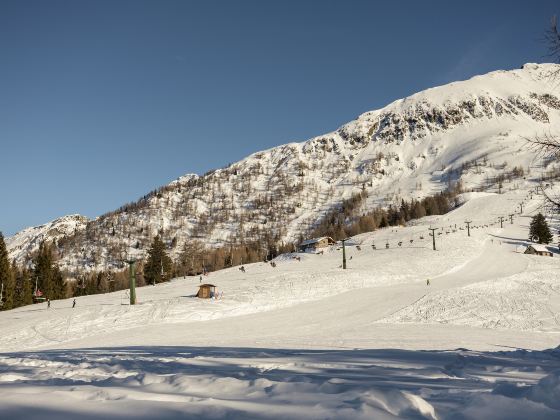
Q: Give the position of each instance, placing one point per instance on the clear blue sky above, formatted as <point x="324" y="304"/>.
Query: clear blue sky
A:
<point x="102" y="101"/>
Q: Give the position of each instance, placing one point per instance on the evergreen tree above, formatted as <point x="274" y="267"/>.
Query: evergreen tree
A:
<point x="59" y="284"/>
<point x="49" y="278"/>
<point x="23" y="293"/>
<point x="539" y="231"/>
<point x="158" y="268"/>
<point x="43" y="272"/>
<point x="6" y="276"/>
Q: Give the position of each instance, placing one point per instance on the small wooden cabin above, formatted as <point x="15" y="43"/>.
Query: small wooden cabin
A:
<point x="537" y="249"/>
<point x="206" y="291"/>
<point x="311" y="245"/>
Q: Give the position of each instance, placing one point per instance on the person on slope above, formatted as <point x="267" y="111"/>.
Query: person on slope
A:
<point x="427" y="282"/>
<point x="74" y="304"/>
<point x="48" y="303"/>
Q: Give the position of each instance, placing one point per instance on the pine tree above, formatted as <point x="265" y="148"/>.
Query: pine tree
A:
<point x="158" y="268"/>
<point x="6" y="276"/>
<point x="43" y="272"/>
<point x="23" y="294"/>
<point x="58" y="284"/>
<point x="539" y="231"/>
<point x="49" y="278"/>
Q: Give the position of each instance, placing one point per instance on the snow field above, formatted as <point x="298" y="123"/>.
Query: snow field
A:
<point x="309" y="340"/>
<point x="195" y="382"/>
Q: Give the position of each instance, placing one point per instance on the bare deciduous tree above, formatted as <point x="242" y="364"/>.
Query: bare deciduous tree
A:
<point x="548" y="144"/>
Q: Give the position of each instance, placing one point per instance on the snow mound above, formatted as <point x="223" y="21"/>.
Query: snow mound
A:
<point x="547" y="391"/>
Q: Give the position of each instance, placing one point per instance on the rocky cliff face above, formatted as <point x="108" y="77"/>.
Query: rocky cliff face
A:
<point x="412" y="147"/>
<point x="27" y="241"/>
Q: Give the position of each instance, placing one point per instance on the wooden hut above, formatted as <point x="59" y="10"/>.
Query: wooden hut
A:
<point x="312" y="245"/>
<point x="537" y="249"/>
<point x="206" y="291"/>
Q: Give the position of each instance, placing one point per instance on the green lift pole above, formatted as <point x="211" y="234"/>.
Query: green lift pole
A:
<point x="343" y="255"/>
<point x="468" y="227"/>
<point x="433" y="234"/>
<point x="132" y="274"/>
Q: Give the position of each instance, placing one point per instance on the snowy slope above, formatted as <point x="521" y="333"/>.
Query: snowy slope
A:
<point x="471" y="131"/>
<point x="309" y="340"/>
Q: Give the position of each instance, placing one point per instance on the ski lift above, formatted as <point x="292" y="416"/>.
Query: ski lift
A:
<point x="38" y="297"/>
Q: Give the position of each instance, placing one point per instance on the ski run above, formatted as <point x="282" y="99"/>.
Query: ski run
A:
<point x="307" y="339"/>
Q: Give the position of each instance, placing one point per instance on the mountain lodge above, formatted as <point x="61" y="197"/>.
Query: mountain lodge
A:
<point x="537" y="249"/>
<point x="311" y="245"/>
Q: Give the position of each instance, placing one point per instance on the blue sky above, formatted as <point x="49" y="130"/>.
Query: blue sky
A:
<point x="103" y="101"/>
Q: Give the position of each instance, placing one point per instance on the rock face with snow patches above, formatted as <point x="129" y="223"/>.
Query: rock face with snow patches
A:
<point x="27" y="241"/>
<point x="471" y="131"/>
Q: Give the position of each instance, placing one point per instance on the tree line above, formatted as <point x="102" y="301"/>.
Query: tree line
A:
<point x="350" y="219"/>
<point x="19" y="283"/>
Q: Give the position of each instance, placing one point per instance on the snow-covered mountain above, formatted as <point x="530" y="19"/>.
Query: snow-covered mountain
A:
<point x="27" y="241"/>
<point x="471" y="131"/>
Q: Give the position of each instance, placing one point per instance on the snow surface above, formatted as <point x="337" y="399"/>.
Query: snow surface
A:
<point x="309" y="340"/>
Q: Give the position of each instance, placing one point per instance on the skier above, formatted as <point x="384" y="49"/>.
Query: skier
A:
<point x="200" y="279"/>
<point x="74" y="304"/>
<point x="427" y="282"/>
<point x="48" y="303"/>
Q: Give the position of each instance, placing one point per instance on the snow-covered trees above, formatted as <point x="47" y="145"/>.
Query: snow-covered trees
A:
<point x="539" y="231"/>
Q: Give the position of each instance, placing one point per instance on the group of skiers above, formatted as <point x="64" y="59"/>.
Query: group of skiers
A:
<point x="49" y="303"/>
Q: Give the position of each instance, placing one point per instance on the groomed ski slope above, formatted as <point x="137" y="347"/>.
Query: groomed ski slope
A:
<point x="309" y="340"/>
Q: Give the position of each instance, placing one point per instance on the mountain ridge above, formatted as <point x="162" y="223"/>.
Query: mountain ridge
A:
<point x="410" y="148"/>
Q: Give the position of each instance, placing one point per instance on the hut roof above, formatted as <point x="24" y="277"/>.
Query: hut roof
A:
<point x="206" y="285"/>
<point x="539" y="247"/>
<point x="315" y="240"/>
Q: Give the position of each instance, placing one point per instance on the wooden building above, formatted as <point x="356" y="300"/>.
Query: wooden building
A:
<point x="206" y="291"/>
<point x="537" y="249"/>
<point x="312" y="245"/>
